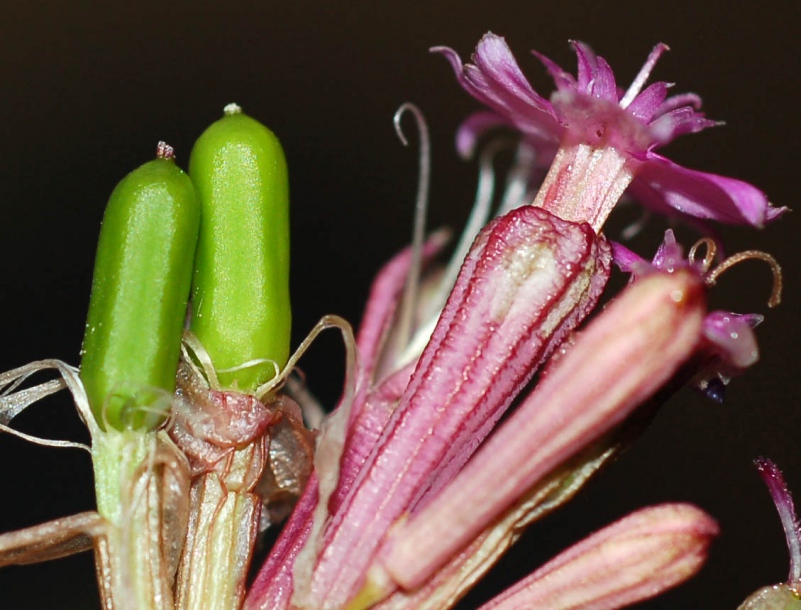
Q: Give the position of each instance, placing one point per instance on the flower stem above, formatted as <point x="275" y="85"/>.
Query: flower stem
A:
<point x="222" y="532"/>
<point x="142" y="486"/>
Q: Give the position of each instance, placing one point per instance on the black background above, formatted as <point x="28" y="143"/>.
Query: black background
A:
<point x="86" y="90"/>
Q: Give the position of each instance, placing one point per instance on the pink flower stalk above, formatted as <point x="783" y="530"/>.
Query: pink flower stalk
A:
<point x="785" y="596"/>
<point x="601" y="138"/>
<point x="780" y="493"/>
<point x="634" y="559"/>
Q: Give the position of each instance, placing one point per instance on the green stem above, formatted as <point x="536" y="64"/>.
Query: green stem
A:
<point x="142" y="487"/>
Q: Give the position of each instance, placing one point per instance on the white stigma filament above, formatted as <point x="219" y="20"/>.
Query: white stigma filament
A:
<point x="409" y="303"/>
<point x="642" y="76"/>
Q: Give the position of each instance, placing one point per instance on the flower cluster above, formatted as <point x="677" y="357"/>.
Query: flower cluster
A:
<point x="418" y="489"/>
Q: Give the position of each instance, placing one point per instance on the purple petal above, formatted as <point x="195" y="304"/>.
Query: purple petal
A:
<point x="706" y="195"/>
<point x="495" y="60"/>
<point x="669" y="256"/>
<point x="475" y="126"/>
<point x="680" y="121"/>
<point x="496" y="81"/>
<point x="586" y="66"/>
<point x="677" y="101"/>
<point x="626" y="260"/>
<point x="603" y="85"/>
<point x="595" y="76"/>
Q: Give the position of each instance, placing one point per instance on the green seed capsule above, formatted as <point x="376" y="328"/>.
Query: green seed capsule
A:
<point x="240" y="297"/>
<point x="143" y="273"/>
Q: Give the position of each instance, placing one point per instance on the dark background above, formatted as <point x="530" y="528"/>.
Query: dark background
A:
<point x="87" y="90"/>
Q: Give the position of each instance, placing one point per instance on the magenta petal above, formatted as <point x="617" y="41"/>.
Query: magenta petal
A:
<point x="647" y="104"/>
<point x="595" y="75"/>
<point x="669" y="256"/>
<point x="528" y="280"/>
<point x="586" y="66"/>
<point x="590" y="110"/>
<point x="604" y="86"/>
<point x="495" y="61"/>
<point x="626" y="260"/>
<point x="677" y="101"/>
<point x="705" y="195"/>
<point x="680" y="121"/>
<point x="496" y="81"/>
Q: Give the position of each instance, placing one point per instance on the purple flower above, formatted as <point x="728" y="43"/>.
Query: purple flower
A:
<point x="591" y="127"/>
<point x="730" y="343"/>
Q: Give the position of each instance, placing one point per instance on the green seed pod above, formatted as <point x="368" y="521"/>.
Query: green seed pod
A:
<point x="143" y="273"/>
<point x="240" y="296"/>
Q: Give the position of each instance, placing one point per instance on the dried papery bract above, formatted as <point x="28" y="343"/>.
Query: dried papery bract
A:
<point x="244" y="451"/>
<point x="142" y="484"/>
<point x="52" y="540"/>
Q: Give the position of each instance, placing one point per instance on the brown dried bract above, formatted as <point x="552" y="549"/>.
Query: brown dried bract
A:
<point x="290" y="462"/>
<point x="248" y="443"/>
